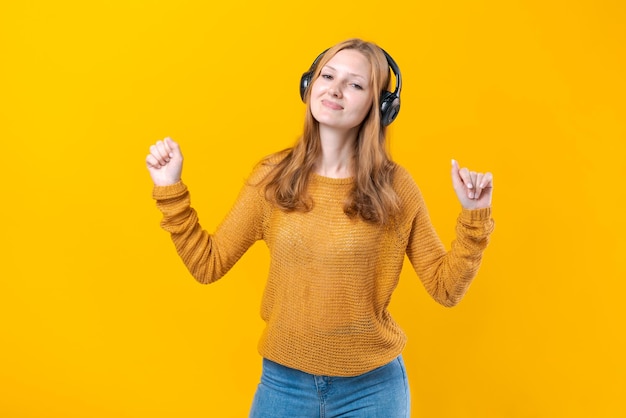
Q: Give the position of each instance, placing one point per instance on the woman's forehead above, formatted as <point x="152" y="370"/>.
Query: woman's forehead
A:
<point x="352" y="62"/>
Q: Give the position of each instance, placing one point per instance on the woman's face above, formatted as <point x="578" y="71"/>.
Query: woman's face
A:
<point x="342" y="96"/>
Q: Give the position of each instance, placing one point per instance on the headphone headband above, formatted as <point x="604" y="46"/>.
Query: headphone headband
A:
<point x="389" y="101"/>
<point x="396" y="72"/>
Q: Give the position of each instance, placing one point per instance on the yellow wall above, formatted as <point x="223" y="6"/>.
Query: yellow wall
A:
<point x="100" y="319"/>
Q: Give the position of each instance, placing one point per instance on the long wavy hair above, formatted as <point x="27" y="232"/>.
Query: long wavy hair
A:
<point x="372" y="196"/>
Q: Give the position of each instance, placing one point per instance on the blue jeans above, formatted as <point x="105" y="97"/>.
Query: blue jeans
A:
<point x="289" y="393"/>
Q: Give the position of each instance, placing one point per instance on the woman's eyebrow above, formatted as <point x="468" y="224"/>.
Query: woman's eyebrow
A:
<point x="350" y="74"/>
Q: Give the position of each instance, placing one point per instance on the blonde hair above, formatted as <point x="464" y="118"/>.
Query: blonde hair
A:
<point x="372" y="197"/>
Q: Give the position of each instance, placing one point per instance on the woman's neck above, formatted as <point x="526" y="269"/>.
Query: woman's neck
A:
<point x="337" y="154"/>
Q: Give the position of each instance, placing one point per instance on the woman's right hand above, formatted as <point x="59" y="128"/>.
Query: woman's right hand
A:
<point x="165" y="162"/>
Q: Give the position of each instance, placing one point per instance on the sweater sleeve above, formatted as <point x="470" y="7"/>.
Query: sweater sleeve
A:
<point x="208" y="256"/>
<point x="447" y="274"/>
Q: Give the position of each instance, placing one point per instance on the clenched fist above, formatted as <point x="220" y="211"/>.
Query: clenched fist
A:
<point x="165" y="162"/>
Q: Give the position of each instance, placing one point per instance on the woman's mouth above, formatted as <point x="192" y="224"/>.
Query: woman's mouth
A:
<point x="331" y="105"/>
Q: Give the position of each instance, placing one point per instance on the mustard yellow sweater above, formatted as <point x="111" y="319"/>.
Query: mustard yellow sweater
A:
<point x="331" y="277"/>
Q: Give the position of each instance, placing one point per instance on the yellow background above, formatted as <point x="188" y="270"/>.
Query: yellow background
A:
<point x="99" y="318"/>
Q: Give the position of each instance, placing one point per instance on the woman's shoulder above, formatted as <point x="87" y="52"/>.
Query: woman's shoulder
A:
<point x="405" y="187"/>
<point x="275" y="158"/>
<point x="402" y="178"/>
<point x="266" y="165"/>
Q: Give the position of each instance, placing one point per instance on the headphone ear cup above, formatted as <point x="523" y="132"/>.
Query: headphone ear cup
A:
<point x="389" y="107"/>
<point x="305" y="80"/>
<point x="307" y="77"/>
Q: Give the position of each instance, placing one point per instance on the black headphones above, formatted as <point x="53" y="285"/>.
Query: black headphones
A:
<point x="389" y="101"/>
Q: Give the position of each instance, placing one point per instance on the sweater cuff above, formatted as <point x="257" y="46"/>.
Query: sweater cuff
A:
<point x="471" y="215"/>
<point x="171" y="191"/>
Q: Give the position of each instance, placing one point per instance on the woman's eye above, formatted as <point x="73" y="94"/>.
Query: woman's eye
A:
<point x="357" y="86"/>
<point x="327" y="76"/>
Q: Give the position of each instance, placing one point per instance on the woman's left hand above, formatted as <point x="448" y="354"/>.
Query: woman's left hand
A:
<point x="473" y="189"/>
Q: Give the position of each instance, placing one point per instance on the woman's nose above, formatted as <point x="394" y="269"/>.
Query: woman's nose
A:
<point x="334" y="90"/>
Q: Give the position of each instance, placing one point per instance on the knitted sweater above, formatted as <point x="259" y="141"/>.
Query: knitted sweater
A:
<point x="331" y="277"/>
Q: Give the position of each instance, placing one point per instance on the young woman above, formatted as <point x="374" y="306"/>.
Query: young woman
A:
<point x="338" y="216"/>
